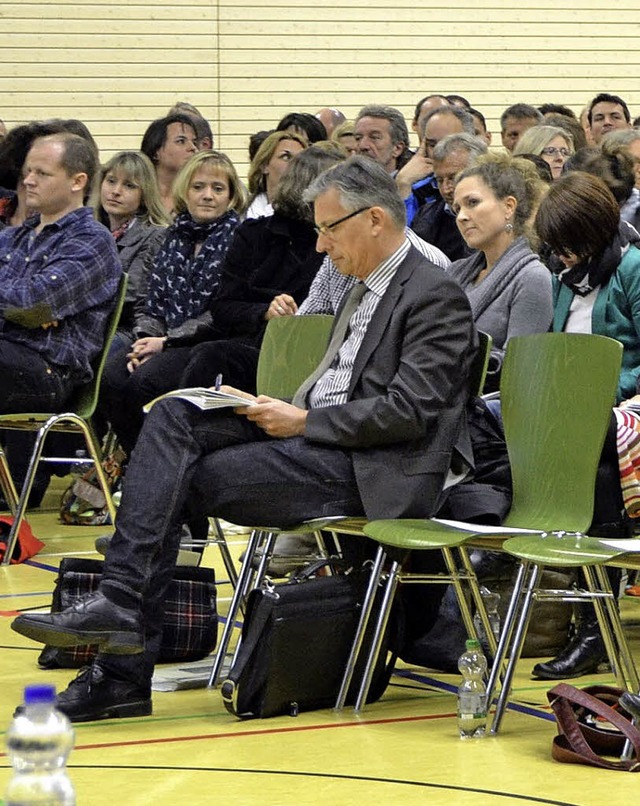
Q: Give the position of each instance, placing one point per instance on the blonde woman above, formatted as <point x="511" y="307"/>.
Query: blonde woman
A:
<point x="553" y="144"/>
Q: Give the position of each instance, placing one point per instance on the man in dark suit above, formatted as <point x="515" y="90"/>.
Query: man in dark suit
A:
<point x="380" y="433"/>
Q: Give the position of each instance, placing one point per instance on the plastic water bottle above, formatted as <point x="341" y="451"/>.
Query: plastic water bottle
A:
<point x="472" y="692"/>
<point x="491" y="601"/>
<point x="39" y="741"/>
<point x="79" y="468"/>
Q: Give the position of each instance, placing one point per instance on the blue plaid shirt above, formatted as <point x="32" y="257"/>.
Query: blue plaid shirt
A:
<point x="71" y="268"/>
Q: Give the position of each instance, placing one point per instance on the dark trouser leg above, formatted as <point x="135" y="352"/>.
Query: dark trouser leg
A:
<point x="123" y="394"/>
<point x="29" y="383"/>
<point x="274" y="482"/>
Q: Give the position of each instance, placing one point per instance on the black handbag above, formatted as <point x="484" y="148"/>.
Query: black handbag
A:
<point x="296" y="640"/>
<point x="190" y="629"/>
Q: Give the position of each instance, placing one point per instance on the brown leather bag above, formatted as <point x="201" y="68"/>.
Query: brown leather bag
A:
<point x="593" y="728"/>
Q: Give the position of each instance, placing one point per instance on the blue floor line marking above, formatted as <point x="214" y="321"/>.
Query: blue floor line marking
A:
<point x="430" y="681"/>
<point x="44" y="566"/>
<point x="21" y="595"/>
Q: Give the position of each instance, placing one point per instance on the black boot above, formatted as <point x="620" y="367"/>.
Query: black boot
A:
<point x="584" y="653"/>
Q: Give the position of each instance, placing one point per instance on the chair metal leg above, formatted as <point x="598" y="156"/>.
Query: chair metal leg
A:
<point x="454" y="576"/>
<point x="234" y="607"/>
<point x="506" y="632"/>
<point x="474" y="588"/>
<point x="376" y="643"/>
<point x="221" y="543"/>
<point x="21" y="506"/>
<point x="516" y="647"/>
<point x="358" y="639"/>
<point x="6" y="484"/>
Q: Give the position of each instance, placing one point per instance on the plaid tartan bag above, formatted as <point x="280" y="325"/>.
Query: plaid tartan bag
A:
<point x="190" y="629"/>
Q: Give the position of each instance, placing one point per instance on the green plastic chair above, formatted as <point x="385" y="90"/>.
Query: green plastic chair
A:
<point x="557" y="391"/>
<point x="291" y="349"/>
<point x="77" y="419"/>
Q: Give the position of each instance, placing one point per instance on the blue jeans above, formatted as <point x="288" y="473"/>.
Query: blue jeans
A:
<point x="211" y="463"/>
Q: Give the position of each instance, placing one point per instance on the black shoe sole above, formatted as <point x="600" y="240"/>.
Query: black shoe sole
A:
<point x="601" y="667"/>
<point x="115" y="643"/>
<point x="116" y="711"/>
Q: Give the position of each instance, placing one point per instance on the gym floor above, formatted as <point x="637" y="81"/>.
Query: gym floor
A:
<point x="403" y="749"/>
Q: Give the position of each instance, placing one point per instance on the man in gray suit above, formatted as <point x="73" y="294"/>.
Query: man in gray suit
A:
<point x="379" y="433"/>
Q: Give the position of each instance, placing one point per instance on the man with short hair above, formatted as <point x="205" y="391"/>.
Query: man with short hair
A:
<point x="606" y="113"/>
<point x="381" y="133"/>
<point x="60" y="272"/>
<point x="378" y="430"/>
<point x="515" y="120"/>
<point x="416" y="181"/>
<point x="435" y="222"/>
<point x="423" y="107"/>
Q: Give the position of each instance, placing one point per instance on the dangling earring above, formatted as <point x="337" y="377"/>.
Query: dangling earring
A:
<point x="508" y="227"/>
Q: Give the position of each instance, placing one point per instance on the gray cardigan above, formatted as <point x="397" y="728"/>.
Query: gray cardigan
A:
<point x="514" y="299"/>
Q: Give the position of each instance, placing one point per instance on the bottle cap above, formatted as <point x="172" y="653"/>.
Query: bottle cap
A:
<point x="41" y="692"/>
<point x="472" y="643"/>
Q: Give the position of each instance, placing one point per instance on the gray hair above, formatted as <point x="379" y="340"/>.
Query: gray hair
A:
<point x="475" y="146"/>
<point x="399" y="131"/>
<point x="361" y="182"/>
<point x="620" y="137"/>
<point x="463" y="115"/>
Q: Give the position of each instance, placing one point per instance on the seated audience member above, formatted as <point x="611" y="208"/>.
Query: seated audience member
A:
<point x="480" y="126"/>
<point x="605" y="113"/>
<point x="201" y="124"/>
<point x="515" y="120"/>
<point x="330" y="118"/>
<point x="542" y="167"/>
<point x="128" y="203"/>
<point x="169" y="143"/>
<point x="435" y="222"/>
<point x="344" y="136"/>
<point x="553" y="144"/>
<point x="381" y="134"/>
<point x="375" y="436"/>
<point x="596" y="281"/>
<point x="304" y="125"/>
<point x="184" y="276"/>
<point x="60" y="272"/>
<point x="415" y="180"/>
<point x="508" y="287"/>
<point x="267" y="169"/>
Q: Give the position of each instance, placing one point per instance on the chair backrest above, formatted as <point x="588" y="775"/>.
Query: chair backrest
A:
<point x="557" y="392"/>
<point x="480" y="364"/>
<point x="85" y="397"/>
<point x="291" y="349"/>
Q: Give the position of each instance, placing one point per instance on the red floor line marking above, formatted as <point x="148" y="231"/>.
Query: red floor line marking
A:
<point x="263" y="732"/>
<point x="9" y="613"/>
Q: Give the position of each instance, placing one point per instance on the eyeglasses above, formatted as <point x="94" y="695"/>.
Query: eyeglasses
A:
<point x="325" y="229"/>
<point x="550" y="151"/>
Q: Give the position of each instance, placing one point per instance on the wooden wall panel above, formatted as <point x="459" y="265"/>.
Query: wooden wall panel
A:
<point x="118" y="65"/>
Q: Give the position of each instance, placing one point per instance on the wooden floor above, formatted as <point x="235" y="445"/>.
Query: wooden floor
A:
<point x="402" y="750"/>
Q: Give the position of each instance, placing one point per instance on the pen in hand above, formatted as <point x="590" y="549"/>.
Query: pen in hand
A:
<point x="218" y="382"/>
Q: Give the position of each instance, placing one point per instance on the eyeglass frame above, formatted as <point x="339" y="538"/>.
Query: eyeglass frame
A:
<point x="551" y="151"/>
<point x="325" y="229"/>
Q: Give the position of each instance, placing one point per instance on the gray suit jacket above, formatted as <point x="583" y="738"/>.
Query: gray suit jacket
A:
<point x="404" y="420"/>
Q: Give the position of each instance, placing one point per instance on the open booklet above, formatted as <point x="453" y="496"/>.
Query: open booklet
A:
<point x="204" y="398"/>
